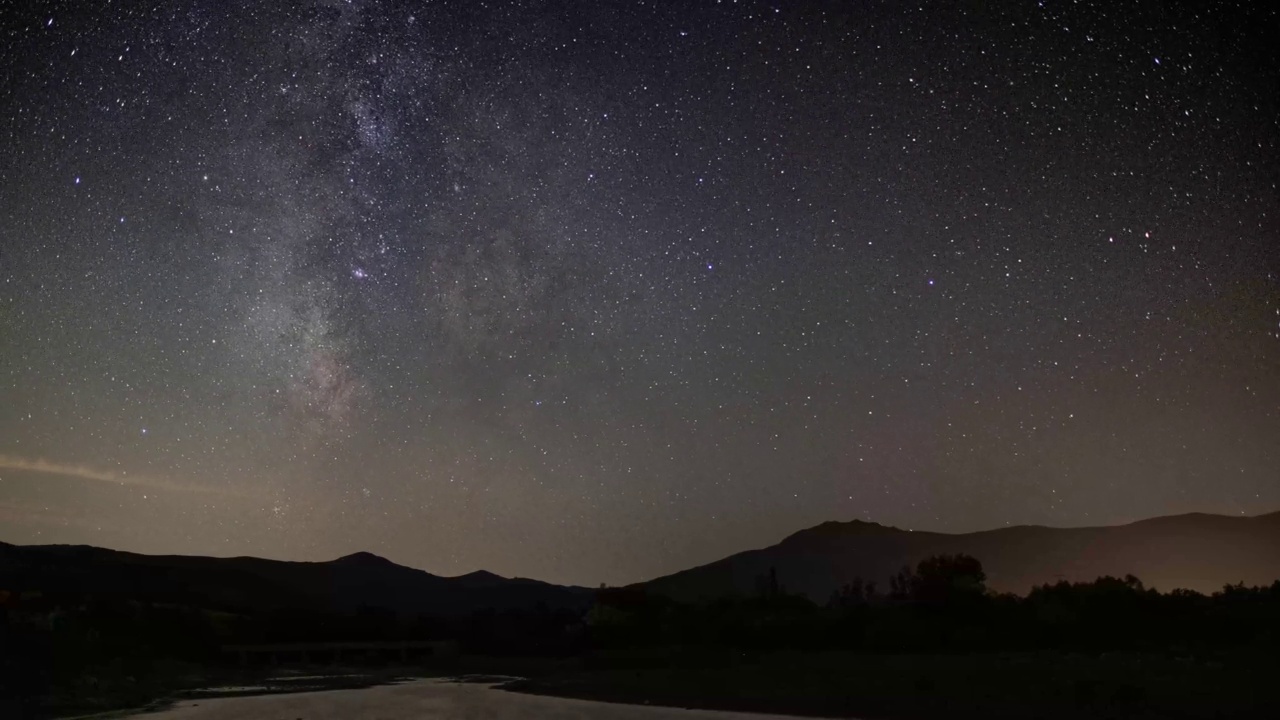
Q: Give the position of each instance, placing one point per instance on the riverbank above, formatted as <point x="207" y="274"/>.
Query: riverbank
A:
<point x="910" y="687"/>
<point x="990" y="686"/>
<point x="97" y="700"/>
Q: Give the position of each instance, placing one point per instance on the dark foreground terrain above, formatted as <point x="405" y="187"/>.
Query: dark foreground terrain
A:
<point x="988" y="686"/>
<point x="1197" y="552"/>
<point x="934" y="641"/>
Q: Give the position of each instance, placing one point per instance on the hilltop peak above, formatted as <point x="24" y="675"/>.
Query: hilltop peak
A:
<point x="1196" y="551"/>
<point x="836" y="529"/>
<point x="363" y="558"/>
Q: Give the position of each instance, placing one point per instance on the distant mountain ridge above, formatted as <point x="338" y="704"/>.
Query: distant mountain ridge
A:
<point x="345" y="584"/>
<point x="1196" y="551"/>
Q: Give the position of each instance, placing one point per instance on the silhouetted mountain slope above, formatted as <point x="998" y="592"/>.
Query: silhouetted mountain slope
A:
<point x="1197" y="551"/>
<point x="254" y="584"/>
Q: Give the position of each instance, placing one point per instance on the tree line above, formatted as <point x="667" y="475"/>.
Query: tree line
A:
<point x="943" y="605"/>
<point x="82" y="645"/>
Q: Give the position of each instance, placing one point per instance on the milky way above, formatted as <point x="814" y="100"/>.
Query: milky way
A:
<point x="595" y="291"/>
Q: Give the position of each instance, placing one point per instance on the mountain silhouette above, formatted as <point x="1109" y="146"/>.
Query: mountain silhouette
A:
<point x="347" y="584"/>
<point x="366" y="559"/>
<point x="1197" y="552"/>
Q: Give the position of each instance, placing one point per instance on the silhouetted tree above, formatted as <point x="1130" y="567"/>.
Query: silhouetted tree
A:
<point x="768" y="586"/>
<point x="948" y="579"/>
<point x="853" y="594"/>
<point x="900" y="585"/>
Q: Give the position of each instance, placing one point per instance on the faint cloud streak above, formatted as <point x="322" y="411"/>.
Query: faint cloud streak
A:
<point x="84" y="472"/>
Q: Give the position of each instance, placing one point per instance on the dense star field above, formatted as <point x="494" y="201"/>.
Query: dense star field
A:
<point x="595" y="291"/>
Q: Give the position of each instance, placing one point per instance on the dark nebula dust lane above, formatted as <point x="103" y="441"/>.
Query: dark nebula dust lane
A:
<point x="594" y="291"/>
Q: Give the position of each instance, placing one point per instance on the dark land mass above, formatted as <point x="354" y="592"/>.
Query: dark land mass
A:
<point x="1195" y="552"/>
<point x="84" y="629"/>
<point x="247" y="584"/>
<point x="1198" y="552"/>
<point x="951" y="686"/>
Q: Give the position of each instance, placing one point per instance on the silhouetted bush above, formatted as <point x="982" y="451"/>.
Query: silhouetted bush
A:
<point x="119" y="651"/>
<point x="943" y="605"/>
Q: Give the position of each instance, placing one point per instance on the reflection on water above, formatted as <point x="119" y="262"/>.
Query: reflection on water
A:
<point x="468" y="697"/>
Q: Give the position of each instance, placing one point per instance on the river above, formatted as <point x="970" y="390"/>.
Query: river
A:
<point x="425" y="700"/>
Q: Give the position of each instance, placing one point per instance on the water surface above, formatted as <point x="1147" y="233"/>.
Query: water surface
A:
<point x="426" y="700"/>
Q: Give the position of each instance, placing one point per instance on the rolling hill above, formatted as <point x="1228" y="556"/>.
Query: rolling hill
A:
<point x="1197" y="551"/>
<point x="253" y="584"/>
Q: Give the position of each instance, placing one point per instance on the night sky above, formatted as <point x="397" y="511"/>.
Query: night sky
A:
<point x="596" y="291"/>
